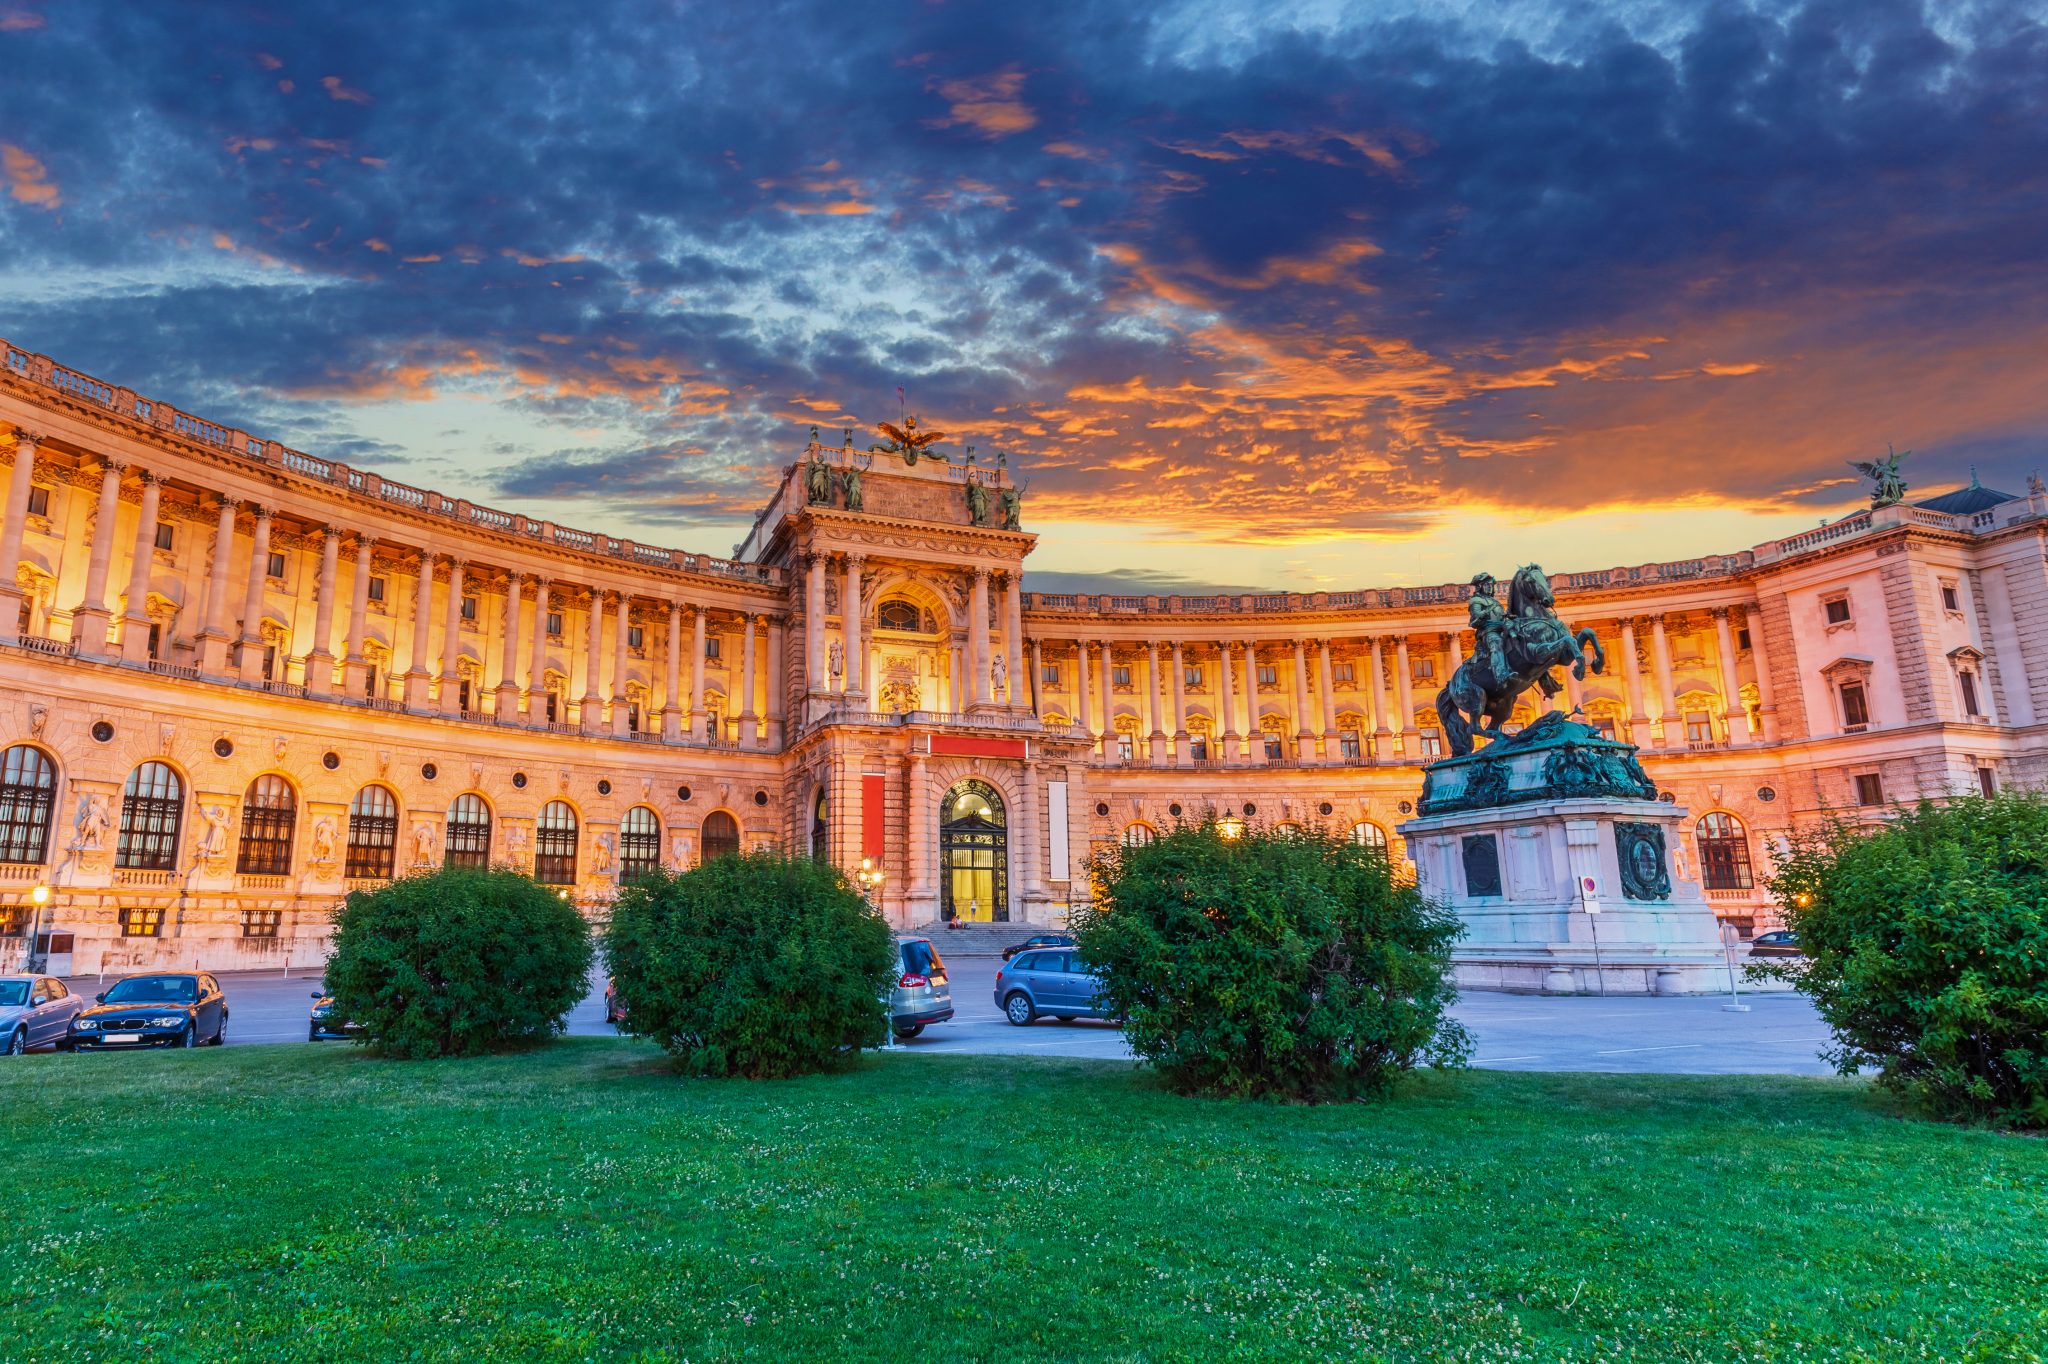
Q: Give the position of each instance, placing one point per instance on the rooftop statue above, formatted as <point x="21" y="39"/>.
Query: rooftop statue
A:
<point x="906" y="440"/>
<point x="977" y="504"/>
<point x="1513" y="649"/>
<point x="1888" y="487"/>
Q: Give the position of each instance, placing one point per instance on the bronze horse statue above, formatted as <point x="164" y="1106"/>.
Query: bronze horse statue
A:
<point x="1513" y="650"/>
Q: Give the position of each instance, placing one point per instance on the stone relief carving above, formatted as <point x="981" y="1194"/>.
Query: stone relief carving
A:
<point x="95" y="819"/>
<point x="213" y="839"/>
<point x="423" y="845"/>
<point x="324" y="831"/>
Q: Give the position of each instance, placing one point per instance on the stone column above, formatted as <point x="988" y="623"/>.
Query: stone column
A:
<point x="451" y="642"/>
<point x="1382" y="732"/>
<point x="537" y="664"/>
<point x="507" y="702"/>
<point x="135" y="620"/>
<point x="773" y="687"/>
<point x="1404" y="691"/>
<point x="1766" y="703"/>
<point x="853" y="626"/>
<point x="1083" y="690"/>
<point x="1029" y="842"/>
<point x="1013" y="635"/>
<point x="1667" y="710"/>
<point x="252" y="604"/>
<point x="13" y="521"/>
<point x="1731" y="690"/>
<point x="1254" y="737"/>
<point x="750" y="719"/>
<point x="591" y="716"/>
<point x="1454" y="649"/>
<point x="416" y="675"/>
<point x="1180" y="704"/>
<point x="817" y="659"/>
<point x="1108" y="648"/>
<point x="917" y="849"/>
<point x="696" y="711"/>
<point x="1037" y="679"/>
<point x="620" y="626"/>
<point x="977" y="637"/>
<point x="213" y="639"/>
<point x="1632" y="676"/>
<point x="1327" y="686"/>
<point x="1155" y="731"/>
<point x="320" y="658"/>
<point x="1229" y="738"/>
<point x="672" y="677"/>
<point x="355" y="674"/>
<point x="1304" y="737"/>
<point x="89" y="619"/>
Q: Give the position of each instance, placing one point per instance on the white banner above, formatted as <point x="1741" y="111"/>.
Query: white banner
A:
<point x="1056" y="830"/>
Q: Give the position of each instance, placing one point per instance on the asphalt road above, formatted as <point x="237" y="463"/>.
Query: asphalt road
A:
<point x="1779" y="1034"/>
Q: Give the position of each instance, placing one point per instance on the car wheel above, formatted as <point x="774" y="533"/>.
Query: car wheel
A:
<point x="190" y="1037"/>
<point x="312" y="1034"/>
<point x="18" y="1043"/>
<point x="220" y="1034"/>
<point x="907" y="1033"/>
<point x="1018" y="1008"/>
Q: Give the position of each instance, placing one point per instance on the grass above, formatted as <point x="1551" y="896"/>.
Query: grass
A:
<point x="582" y="1202"/>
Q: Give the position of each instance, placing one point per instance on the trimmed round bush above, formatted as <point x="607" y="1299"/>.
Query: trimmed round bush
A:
<point x="458" y="962"/>
<point x="759" y="966"/>
<point x="1275" y="964"/>
<point x="1926" y="952"/>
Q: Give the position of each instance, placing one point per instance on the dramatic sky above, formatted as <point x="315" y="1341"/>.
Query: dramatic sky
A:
<point x="1253" y="294"/>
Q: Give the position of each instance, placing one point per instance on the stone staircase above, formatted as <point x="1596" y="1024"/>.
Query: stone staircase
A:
<point x="974" y="940"/>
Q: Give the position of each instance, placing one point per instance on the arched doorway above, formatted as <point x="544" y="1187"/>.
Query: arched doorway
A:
<point x="821" y="826"/>
<point x="974" y="855"/>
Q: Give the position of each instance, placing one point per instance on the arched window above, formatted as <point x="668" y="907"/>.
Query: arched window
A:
<point x="270" y="811"/>
<point x="372" y="834"/>
<point x="554" y="845"/>
<point x="28" y="788"/>
<point x="1724" y="852"/>
<point x="639" y="843"/>
<point x="469" y="832"/>
<point x="1366" y="834"/>
<point x="721" y="836"/>
<point x="1138" y="835"/>
<point x="821" y="826"/>
<point x="152" y="803"/>
<point x="896" y="614"/>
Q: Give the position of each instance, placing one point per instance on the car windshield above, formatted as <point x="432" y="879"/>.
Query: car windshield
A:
<point x="154" y="989"/>
<point x="13" y="992"/>
<point x="921" y="959"/>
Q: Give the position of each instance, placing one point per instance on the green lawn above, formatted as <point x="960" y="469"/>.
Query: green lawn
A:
<point x="581" y="1202"/>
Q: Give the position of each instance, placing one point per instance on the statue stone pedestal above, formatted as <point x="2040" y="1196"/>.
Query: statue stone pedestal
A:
<point x="1552" y="849"/>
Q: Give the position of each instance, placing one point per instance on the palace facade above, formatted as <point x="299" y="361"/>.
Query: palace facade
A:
<point x="238" y="681"/>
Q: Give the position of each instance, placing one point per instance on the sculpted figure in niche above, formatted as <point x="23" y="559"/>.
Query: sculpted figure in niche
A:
<point x="601" y="855"/>
<point x="422" y="845"/>
<point x="95" y="820"/>
<point x="977" y="504"/>
<point x="849" y="481"/>
<point x="835" y="661"/>
<point x="323" y="843"/>
<point x="999" y="673"/>
<point x="213" y="842"/>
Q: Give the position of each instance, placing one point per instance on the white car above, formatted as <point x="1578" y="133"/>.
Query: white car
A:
<point x="35" y="1011"/>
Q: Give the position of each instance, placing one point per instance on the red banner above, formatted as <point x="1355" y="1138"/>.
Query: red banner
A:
<point x="874" y="796"/>
<point x="974" y="746"/>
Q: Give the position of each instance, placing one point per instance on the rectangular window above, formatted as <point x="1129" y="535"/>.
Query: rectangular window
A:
<point x="1348" y="745"/>
<point x="1269" y="675"/>
<point x="260" y="923"/>
<point x="1869" y="788"/>
<point x="1837" y="609"/>
<point x="633" y="717"/>
<point x="1433" y="742"/>
<point x="166" y="534"/>
<point x="1191" y="674"/>
<point x="141" y="921"/>
<point x="156" y="641"/>
<point x="38" y="501"/>
<point x="1699" y="728"/>
<point x="1050" y="674"/>
<point x="1344" y="672"/>
<point x="376" y="589"/>
<point x="1424" y="667"/>
<point x="274" y="567"/>
<point x="469" y="608"/>
<point x="1969" y="681"/>
<point x="1198" y="748"/>
<point x="1275" y="749"/>
<point x="1742" y="638"/>
<point x="1604" y="727"/>
<point x="370" y="681"/>
<point x="270" y="663"/>
<point x="636" y="637"/>
<point x="1949" y="600"/>
<point x="1855" y="708"/>
<point x="1120" y="677"/>
<point x="554" y="709"/>
<point x="555" y="623"/>
<point x="1124" y="751"/>
<point x="462" y="696"/>
<point x="1987" y="782"/>
<point x="711" y="646"/>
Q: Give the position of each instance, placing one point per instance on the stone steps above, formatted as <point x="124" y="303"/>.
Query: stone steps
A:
<point x="974" y="940"/>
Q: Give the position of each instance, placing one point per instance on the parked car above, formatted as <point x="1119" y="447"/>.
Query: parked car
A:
<point x="1047" y="982"/>
<point x="323" y="1024"/>
<point x="922" y="994"/>
<point x="160" y="1009"/>
<point x="35" y="1011"/>
<point x="1041" y="940"/>
<point x="1782" y="942"/>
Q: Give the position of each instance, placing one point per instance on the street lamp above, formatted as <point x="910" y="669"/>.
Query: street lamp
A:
<point x="38" y="897"/>
<point x="870" y="877"/>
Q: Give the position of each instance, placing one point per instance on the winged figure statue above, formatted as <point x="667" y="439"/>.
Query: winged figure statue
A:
<point x="1889" y="486"/>
<point x="906" y="440"/>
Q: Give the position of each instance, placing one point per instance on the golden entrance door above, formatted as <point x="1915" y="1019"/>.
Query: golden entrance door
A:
<point x="974" y="855"/>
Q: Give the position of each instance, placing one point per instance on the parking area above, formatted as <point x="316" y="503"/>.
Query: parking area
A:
<point x="1779" y="1034"/>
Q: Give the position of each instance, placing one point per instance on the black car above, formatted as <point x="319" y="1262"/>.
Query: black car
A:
<point x="160" y="1009"/>
<point x="324" y="1024"/>
<point x="1781" y="942"/>
<point x="1042" y="940"/>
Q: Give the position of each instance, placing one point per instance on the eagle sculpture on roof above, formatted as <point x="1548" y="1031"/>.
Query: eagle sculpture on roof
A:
<point x="906" y="440"/>
<point x="1889" y="485"/>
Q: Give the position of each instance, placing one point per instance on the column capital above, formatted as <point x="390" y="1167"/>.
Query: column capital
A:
<point x="150" y="478"/>
<point x="260" y="512"/>
<point x="1720" y="612"/>
<point x="110" y="465"/>
<point x="23" y="436"/>
<point x="330" y="535"/>
<point x="982" y="573"/>
<point x="228" y="504"/>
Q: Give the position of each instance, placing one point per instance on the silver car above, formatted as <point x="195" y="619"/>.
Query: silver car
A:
<point x="923" y="994"/>
<point x="1048" y="981"/>
<point x="35" y="1011"/>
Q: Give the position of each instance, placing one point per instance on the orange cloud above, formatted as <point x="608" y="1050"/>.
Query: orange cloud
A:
<point x="27" y="179"/>
<point x="19" y="21"/>
<point x="988" y="104"/>
<point x="340" y="92"/>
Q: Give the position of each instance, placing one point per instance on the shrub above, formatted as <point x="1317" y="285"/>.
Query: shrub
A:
<point x="760" y="966"/>
<point x="458" y="962"/>
<point x="1290" y="965"/>
<point x="1926" y="952"/>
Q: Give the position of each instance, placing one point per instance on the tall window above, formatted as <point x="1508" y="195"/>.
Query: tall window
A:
<point x="1699" y="728"/>
<point x="1269" y="675"/>
<point x="38" y="501"/>
<point x="1343" y="672"/>
<point x="152" y="804"/>
<point x="1969" y="681"/>
<point x="377" y="588"/>
<point x="269" y="813"/>
<point x="1125" y="749"/>
<point x="721" y="836"/>
<point x="1724" y="852"/>
<point x="28" y="788"/>
<point x="166" y="535"/>
<point x="1855" y="707"/>
<point x="1276" y="747"/>
<point x="554" y="845"/>
<point x="639" y="843"/>
<point x="1120" y="676"/>
<point x="1367" y="834"/>
<point x="469" y="832"/>
<point x="1869" y="788"/>
<point x="1432" y="741"/>
<point x="372" y="834"/>
<point x="1348" y="744"/>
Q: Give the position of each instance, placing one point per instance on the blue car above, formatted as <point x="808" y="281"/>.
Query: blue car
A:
<point x="34" y="1012"/>
<point x="1047" y="982"/>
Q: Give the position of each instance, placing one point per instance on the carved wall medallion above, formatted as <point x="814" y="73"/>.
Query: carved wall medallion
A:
<point x="1481" y="853"/>
<point x="1645" y="870"/>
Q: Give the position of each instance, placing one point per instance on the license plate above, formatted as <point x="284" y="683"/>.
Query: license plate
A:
<point x="120" y="1037"/>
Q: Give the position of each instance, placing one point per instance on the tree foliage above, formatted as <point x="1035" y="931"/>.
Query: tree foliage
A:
<point x="760" y="966"/>
<point x="1284" y="964"/>
<point x="458" y="962"/>
<point x="1926" y="952"/>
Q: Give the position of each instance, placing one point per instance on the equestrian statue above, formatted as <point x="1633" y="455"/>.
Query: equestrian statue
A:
<point x="1513" y="649"/>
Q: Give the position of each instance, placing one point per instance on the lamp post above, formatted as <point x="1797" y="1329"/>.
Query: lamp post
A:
<point x="38" y="897"/>
<point x="870" y="878"/>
